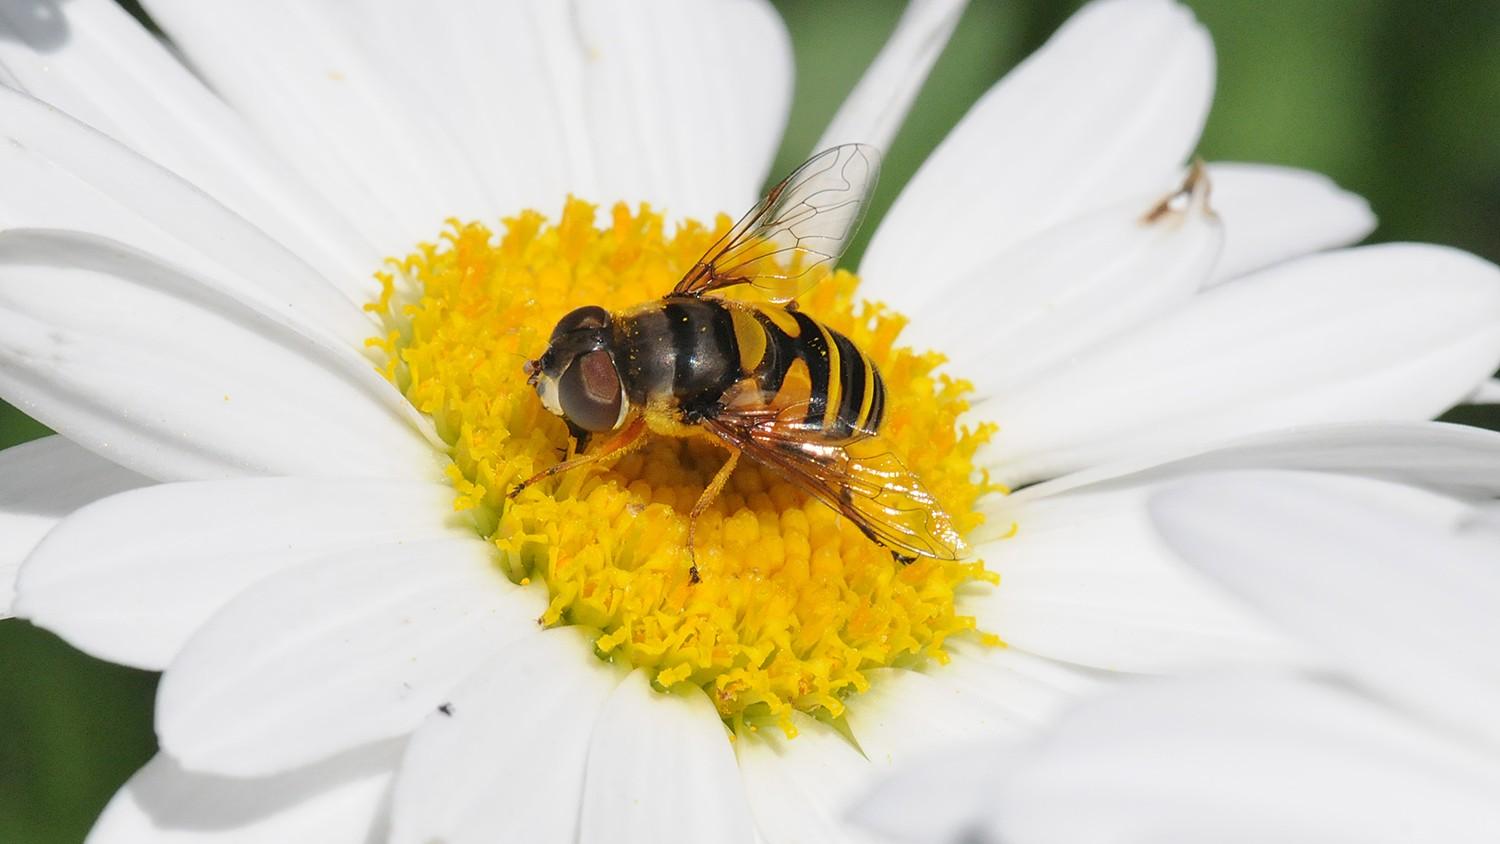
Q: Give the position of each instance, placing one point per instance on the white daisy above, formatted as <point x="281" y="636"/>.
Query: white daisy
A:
<point x="1395" y="737"/>
<point x="273" y="425"/>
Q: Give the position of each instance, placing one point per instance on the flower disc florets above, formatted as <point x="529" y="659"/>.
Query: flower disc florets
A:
<point x="795" y="604"/>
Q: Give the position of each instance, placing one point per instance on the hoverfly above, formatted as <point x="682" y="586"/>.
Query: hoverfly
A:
<point x="762" y="380"/>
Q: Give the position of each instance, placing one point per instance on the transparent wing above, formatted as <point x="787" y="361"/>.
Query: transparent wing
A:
<point x="859" y="477"/>
<point x="792" y="238"/>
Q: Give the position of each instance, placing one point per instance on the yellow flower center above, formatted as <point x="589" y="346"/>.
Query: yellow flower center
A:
<point x="795" y="604"/>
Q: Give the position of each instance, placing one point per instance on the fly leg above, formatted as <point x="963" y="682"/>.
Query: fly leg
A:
<point x="710" y="492"/>
<point x="581" y="437"/>
<point x="629" y="437"/>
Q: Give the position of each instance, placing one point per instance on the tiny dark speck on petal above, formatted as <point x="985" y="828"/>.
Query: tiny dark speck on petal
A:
<point x="446" y="709"/>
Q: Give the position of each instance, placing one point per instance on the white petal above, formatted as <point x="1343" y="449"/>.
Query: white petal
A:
<point x="1108" y="108"/>
<point x="64" y="175"/>
<point x="165" y="374"/>
<point x="414" y="113"/>
<point x="801" y="788"/>
<point x="61" y="174"/>
<point x="1274" y="213"/>
<point x="1487" y="393"/>
<point x="940" y="796"/>
<point x="505" y="760"/>
<point x="41" y="482"/>
<point x="352" y="126"/>
<point x="130" y="578"/>
<point x="1391" y="332"/>
<point x="1024" y="689"/>
<point x="686" y="100"/>
<point x="1056" y="296"/>
<point x="1243" y="760"/>
<point x="1397" y="585"/>
<point x="907" y="712"/>
<point x="1457" y="459"/>
<point x="660" y="769"/>
<point x="1087" y="580"/>
<point x="334" y="654"/>
<point x="875" y="109"/>
<point x="91" y="60"/>
<point x="339" y="800"/>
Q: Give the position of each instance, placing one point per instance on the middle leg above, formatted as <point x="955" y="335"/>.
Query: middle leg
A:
<point x="710" y="492"/>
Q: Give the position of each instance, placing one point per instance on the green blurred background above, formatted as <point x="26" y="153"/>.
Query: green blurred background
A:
<point x="1398" y="100"/>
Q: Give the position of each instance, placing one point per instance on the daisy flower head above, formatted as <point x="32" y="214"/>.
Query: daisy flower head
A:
<point x="1390" y="734"/>
<point x="281" y="322"/>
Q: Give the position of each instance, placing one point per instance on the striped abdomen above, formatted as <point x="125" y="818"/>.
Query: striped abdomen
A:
<point x="702" y="354"/>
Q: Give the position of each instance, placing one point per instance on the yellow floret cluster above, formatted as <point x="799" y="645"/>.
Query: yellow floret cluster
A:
<point x="795" y="604"/>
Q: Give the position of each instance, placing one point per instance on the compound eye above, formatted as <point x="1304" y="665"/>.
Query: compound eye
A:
<point x="589" y="392"/>
<point x="588" y="316"/>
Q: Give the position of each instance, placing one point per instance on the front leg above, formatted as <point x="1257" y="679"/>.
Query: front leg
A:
<point x="581" y="437"/>
<point x="632" y="435"/>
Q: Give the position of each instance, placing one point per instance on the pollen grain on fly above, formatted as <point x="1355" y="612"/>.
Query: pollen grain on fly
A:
<point x="795" y="603"/>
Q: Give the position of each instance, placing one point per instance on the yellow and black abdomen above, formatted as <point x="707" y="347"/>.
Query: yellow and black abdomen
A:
<point x="806" y="361"/>
<point x="701" y="354"/>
